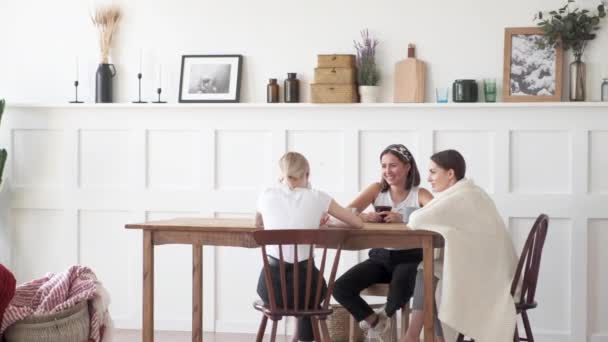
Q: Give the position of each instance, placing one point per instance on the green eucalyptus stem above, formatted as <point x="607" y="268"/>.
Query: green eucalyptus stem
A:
<point x="3" y="157"/>
<point x="570" y="28"/>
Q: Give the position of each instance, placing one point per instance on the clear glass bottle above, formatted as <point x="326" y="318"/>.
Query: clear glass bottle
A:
<point x="605" y="89"/>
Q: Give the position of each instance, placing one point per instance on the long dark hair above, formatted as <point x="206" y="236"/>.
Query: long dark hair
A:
<point x="451" y="159"/>
<point x="404" y="155"/>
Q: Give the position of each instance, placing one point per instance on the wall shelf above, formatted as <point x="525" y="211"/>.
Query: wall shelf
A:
<point x="283" y="106"/>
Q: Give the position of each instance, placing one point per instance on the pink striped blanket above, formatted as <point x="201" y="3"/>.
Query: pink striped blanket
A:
<point x="60" y="291"/>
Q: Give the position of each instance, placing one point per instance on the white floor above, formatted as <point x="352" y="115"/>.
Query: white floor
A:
<point x="181" y="336"/>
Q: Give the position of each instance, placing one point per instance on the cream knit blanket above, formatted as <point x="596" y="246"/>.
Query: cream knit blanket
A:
<point x="478" y="265"/>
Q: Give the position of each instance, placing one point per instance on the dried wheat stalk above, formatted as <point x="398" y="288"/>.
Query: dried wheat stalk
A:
<point x="106" y="19"/>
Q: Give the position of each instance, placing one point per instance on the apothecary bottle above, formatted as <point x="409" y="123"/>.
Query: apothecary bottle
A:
<point x="291" y="88"/>
<point x="272" y="91"/>
<point x="605" y="89"/>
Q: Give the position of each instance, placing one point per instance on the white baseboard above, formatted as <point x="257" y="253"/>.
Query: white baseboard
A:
<point x="598" y="338"/>
<point x="550" y="336"/>
<point x="248" y="327"/>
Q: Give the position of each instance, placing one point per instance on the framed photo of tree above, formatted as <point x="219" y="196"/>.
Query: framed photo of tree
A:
<point x="532" y="70"/>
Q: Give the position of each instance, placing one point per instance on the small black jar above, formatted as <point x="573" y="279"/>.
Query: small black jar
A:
<point x="464" y="91"/>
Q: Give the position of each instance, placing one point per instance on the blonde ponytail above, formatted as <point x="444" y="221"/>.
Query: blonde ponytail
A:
<point x="294" y="167"/>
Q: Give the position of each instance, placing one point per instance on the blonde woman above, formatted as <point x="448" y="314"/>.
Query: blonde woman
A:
<point x="293" y="204"/>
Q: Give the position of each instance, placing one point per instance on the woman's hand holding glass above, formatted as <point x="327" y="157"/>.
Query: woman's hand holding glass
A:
<point x="391" y="217"/>
<point x="371" y="217"/>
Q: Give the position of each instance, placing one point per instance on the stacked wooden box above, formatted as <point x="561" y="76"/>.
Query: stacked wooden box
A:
<point x="335" y="80"/>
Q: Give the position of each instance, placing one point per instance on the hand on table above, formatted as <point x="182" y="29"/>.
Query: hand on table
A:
<point x="391" y="217"/>
<point x="371" y="217"/>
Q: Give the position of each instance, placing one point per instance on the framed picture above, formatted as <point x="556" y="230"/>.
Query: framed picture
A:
<point x="210" y="78"/>
<point x="531" y="72"/>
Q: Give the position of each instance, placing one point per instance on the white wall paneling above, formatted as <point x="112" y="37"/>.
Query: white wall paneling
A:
<point x="77" y="174"/>
<point x="598" y="279"/>
<point x="598" y="163"/>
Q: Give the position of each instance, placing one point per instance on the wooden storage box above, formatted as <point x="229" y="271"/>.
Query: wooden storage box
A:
<point x="333" y="93"/>
<point x="335" y="75"/>
<point x="337" y="61"/>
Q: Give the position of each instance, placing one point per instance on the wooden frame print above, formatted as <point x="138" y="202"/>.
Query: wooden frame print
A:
<point x="210" y="78"/>
<point x="531" y="73"/>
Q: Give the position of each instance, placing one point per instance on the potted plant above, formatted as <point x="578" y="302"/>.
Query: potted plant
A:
<point x="105" y="19"/>
<point x="367" y="71"/>
<point x="572" y="29"/>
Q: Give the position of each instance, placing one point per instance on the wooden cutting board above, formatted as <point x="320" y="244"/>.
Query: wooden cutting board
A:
<point x="410" y="76"/>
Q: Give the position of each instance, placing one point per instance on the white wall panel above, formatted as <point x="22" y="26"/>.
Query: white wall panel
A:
<point x="553" y="290"/>
<point x="104" y="158"/>
<point x="110" y="251"/>
<point x="598" y="277"/>
<point x="173" y="159"/>
<point x="325" y="153"/>
<point x="43" y="242"/>
<point x="476" y="148"/>
<point x="541" y="162"/>
<point x="39" y="157"/>
<point x="243" y="160"/>
<point x="372" y="143"/>
<point x="598" y="161"/>
<point x="191" y="163"/>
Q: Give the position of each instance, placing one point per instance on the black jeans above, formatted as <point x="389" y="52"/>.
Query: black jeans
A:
<point x="394" y="267"/>
<point x="304" y="324"/>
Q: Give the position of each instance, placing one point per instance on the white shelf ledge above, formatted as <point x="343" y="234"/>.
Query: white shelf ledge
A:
<point x="284" y="106"/>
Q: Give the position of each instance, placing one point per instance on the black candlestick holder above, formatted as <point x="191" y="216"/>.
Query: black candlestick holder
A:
<point x="158" y="91"/>
<point x="76" y="95"/>
<point x="139" y="81"/>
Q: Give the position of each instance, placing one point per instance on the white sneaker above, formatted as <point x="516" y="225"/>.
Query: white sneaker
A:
<point x="381" y="331"/>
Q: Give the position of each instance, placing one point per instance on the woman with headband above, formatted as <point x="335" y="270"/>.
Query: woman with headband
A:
<point x="397" y="189"/>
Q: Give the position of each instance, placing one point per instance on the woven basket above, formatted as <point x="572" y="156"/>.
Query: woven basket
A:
<point x="71" y="325"/>
<point x="338" y="325"/>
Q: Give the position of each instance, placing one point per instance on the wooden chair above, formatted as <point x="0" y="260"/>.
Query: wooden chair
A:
<point x="527" y="274"/>
<point x="320" y="309"/>
<point x="381" y="290"/>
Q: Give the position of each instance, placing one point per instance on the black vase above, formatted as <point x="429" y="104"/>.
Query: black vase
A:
<point x="103" y="83"/>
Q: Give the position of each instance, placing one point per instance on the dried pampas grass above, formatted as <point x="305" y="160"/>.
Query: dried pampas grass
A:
<point x="106" y="19"/>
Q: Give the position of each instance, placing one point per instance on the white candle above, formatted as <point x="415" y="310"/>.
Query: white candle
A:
<point x="140" y="58"/>
<point x="160" y="76"/>
<point x="76" y="68"/>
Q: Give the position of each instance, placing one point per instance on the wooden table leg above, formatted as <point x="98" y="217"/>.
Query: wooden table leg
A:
<point x="429" y="294"/>
<point x="197" y="293"/>
<point x="148" y="288"/>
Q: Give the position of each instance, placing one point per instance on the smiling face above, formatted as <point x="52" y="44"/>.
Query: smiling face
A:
<point x="440" y="178"/>
<point x="394" y="171"/>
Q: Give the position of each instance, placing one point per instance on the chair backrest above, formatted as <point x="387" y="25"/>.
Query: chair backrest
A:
<point x="529" y="261"/>
<point x="319" y="238"/>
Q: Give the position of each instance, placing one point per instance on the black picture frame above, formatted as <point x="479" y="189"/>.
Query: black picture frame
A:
<point x="210" y="78"/>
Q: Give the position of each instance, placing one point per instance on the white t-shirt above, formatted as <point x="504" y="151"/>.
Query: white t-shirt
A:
<point x="285" y="208"/>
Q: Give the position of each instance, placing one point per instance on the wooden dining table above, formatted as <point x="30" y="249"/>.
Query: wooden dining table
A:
<point x="200" y="232"/>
